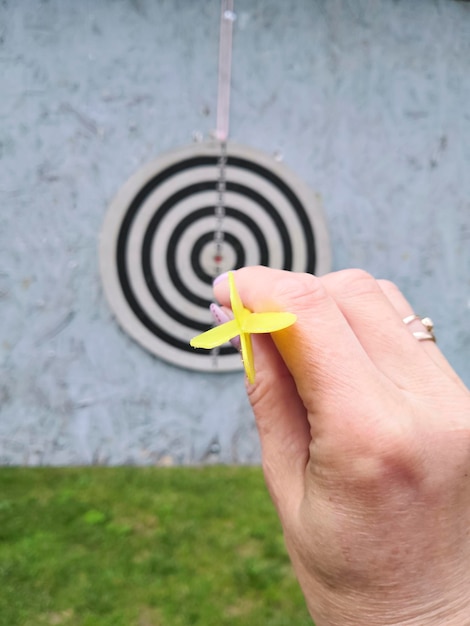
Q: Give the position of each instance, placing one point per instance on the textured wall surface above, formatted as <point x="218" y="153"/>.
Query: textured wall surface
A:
<point x="367" y="101"/>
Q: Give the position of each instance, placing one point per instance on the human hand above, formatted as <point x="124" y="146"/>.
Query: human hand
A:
<point x="365" y="436"/>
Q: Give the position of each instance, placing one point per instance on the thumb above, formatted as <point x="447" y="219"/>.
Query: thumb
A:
<point x="282" y="424"/>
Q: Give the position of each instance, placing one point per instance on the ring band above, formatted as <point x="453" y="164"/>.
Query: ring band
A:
<point x="423" y="336"/>
<point x="420" y="335"/>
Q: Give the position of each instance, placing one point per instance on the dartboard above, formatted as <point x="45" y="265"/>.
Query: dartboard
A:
<point x="158" y="250"/>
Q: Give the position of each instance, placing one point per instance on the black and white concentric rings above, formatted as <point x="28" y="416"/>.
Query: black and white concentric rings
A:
<point x="157" y="251"/>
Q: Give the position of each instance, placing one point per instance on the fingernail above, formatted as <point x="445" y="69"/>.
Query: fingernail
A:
<point x="221" y="317"/>
<point x="218" y="279"/>
<point x="218" y="314"/>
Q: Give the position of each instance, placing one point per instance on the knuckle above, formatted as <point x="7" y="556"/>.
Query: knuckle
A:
<point x="356" y="282"/>
<point x="300" y="291"/>
<point x="389" y="288"/>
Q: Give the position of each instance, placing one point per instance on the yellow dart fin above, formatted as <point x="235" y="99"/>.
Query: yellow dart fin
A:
<point x="235" y="300"/>
<point x="267" y="322"/>
<point x="216" y="336"/>
<point x="247" y="357"/>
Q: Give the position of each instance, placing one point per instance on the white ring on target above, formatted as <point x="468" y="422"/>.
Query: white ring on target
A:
<point x="266" y="205"/>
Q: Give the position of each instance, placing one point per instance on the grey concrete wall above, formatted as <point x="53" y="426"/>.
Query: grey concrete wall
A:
<point x="368" y="101"/>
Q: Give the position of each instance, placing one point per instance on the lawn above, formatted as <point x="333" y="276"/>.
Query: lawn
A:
<point x="143" y="547"/>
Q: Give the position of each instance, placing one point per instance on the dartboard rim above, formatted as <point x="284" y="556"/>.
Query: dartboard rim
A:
<point x="119" y="207"/>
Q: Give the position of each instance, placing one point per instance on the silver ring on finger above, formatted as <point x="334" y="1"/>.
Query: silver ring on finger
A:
<point x="422" y="335"/>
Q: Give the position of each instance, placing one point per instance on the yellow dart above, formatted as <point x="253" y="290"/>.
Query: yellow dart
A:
<point x="244" y="324"/>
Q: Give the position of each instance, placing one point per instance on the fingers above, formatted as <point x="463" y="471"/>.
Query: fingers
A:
<point x="325" y="358"/>
<point x="380" y="329"/>
<point x="404" y="309"/>
<point x="328" y="373"/>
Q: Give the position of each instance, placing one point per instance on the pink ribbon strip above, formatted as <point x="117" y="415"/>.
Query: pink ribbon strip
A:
<point x="225" y="69"/>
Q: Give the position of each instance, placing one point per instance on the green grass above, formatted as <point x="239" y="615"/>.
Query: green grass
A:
<point x="143" y="547"/>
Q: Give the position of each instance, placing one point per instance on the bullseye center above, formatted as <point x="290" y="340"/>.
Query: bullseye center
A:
<point x="216" y="258"/>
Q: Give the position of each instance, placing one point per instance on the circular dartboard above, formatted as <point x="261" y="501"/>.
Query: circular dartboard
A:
<point x="163" y="242"/>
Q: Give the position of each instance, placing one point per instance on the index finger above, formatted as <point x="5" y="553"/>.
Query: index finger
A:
<point x="321" y="350"/>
